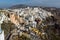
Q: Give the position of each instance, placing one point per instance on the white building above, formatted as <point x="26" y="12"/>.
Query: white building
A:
<point x="2" y="35"/>
<point x="2" y="17"/>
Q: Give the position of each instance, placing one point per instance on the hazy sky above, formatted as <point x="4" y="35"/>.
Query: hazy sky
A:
<point x="7" y="3"/>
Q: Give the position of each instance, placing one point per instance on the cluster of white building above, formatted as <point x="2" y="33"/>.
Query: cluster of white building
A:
<point x="30" y="15"/>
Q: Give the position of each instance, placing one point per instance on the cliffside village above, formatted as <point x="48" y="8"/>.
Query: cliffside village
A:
<point x="28" y="20"/>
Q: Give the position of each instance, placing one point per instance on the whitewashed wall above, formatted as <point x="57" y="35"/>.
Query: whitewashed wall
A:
<point x="2" y="36"/>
